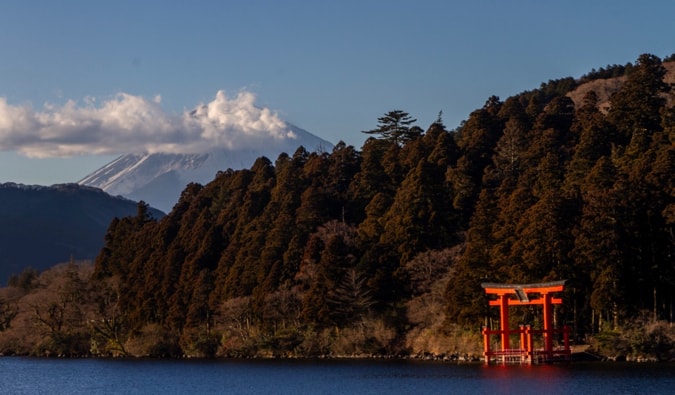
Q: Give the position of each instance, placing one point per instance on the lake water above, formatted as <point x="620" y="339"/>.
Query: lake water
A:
<point x="195" y="377"/>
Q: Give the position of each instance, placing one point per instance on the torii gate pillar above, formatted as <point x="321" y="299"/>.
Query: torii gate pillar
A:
<point x="504" y="320"/>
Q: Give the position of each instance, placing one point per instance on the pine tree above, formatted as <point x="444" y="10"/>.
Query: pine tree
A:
<point x="635" y="108"/>
<point x="395" y="126"/>
<point x="466" y="301"/>
<point x="419" y="218"/>
<point x="594" y="136"/>
<point x="597" y="251"/>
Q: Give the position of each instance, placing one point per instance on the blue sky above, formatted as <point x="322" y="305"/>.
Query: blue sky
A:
<point x="84" y="81"/>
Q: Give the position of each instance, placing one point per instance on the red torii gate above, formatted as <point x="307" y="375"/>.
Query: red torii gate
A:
<point x="525" y="294"/>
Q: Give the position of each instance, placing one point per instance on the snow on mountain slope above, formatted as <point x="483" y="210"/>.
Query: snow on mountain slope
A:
<point x="159" y="178"/>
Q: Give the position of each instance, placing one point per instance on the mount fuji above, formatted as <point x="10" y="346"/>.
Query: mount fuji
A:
<point x="159" y="178"/>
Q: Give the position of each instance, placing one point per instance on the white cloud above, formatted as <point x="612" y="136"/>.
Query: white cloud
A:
<point x="129" y="124"/>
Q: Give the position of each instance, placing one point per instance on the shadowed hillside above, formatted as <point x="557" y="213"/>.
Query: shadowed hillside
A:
<point x="42" y="226"/>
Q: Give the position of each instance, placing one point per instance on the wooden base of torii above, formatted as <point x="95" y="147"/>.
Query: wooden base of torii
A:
<point x="525" y="294"/>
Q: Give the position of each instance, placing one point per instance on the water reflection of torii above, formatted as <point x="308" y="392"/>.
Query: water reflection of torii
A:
<point x="525" y="294"/>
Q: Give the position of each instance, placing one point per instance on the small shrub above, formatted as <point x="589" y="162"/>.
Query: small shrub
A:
<point x="639" y="339"/>
<point x="154" y="341"/>
<point x="609" y="344"/>
<point x="198" y="343"/>
<point x="651" y="340"/>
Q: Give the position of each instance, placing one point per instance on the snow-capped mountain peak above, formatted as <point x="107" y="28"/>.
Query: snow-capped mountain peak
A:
<point x="159" y="178"/>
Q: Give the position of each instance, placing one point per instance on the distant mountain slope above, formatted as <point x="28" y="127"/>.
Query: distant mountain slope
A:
<point x="41" y="226"/>
<point x="159" y="178"/>
<point x="604" y="88"/>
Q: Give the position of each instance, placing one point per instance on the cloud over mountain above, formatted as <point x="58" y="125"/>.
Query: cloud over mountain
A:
<point x="126" y="123"/>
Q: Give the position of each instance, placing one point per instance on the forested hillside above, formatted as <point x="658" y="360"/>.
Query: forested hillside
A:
<point x="382" y="250"/>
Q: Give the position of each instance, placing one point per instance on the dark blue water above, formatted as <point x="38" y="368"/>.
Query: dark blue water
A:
<point x="102" y="376"/>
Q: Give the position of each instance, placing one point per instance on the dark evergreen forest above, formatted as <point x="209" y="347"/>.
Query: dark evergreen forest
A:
<point x="383" y="250"/>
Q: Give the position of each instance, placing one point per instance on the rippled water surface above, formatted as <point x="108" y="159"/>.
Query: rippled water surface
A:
<point x="104" y="376"/>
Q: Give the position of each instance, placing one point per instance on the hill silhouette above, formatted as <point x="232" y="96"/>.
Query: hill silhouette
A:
<point x="43" y="226"/>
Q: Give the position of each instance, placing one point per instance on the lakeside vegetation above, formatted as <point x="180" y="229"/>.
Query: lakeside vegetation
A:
<point x="382" y="251"/>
